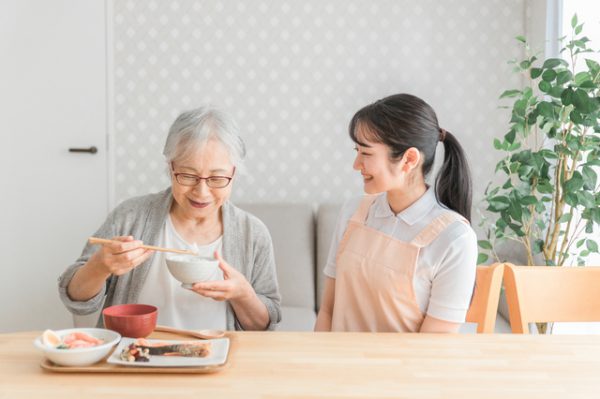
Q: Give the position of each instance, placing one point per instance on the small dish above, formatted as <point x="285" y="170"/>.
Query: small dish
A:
<point x="80" y="356"/>
<point x="217" y="357"/>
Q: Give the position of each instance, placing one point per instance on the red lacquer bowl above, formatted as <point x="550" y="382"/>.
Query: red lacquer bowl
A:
<point x="131" y="320"/>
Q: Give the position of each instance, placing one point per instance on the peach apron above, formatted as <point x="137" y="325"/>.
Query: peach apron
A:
<point x="374" y="275"/>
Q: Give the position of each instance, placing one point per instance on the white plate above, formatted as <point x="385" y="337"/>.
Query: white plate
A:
<point x="218" y="355"/>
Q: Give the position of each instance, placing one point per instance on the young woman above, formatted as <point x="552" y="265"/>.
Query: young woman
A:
<point x="404" y="256"/>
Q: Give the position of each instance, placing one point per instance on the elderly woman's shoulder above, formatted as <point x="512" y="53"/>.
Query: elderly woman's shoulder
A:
<point x="143" y="203"/>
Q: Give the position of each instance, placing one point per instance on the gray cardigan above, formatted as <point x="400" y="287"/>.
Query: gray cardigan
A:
<point x="247" y="246"/>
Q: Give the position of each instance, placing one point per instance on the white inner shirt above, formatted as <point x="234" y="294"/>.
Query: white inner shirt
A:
<point x="177" y="306"/>
<point x="445" y="272"/>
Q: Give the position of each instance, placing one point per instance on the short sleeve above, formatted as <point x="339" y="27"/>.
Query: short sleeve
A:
<point x="344" y="216"/>
<point x="454" y="281"/>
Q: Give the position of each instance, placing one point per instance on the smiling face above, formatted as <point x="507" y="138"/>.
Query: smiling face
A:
<point x="379" y="173"/>
<point x="201" y="201"/>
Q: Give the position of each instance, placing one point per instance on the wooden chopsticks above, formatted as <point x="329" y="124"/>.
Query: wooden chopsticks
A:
<point x="96" y="240"/>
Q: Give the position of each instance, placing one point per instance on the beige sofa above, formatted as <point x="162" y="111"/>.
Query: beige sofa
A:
<point x="301" y="238"/>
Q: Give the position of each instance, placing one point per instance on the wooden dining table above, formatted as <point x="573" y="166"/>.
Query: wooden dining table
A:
<point x="337" y="365"/>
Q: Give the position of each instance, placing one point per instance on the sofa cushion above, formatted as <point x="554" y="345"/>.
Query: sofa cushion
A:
<point x="294" y="318"/>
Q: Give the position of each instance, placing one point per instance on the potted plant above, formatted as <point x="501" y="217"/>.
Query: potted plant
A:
<point x="546" y="198"/>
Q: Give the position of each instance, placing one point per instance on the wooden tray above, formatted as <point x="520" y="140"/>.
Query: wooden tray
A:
<point x="104" y="367"/>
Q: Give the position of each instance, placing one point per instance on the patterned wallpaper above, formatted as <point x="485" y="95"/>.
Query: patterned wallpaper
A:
<point x="292" y="73"/>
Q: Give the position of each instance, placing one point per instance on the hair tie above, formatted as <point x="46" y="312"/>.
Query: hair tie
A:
<point x="442" y="134"/>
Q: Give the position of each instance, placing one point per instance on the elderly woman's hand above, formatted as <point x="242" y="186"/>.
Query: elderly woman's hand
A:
<point x="233" y="287"/>
<point x="121" y="256"/>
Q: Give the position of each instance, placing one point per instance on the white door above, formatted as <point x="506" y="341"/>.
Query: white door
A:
<point x="52" y="98"/>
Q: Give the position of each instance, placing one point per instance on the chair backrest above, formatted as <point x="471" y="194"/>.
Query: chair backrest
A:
<point x="551" y="293"/>
<point x="484" y="305"/>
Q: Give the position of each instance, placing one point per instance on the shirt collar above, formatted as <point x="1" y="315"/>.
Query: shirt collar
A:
<point x="413" y="213"/>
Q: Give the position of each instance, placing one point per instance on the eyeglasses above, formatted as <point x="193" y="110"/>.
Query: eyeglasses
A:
<point x="187" y="179"/>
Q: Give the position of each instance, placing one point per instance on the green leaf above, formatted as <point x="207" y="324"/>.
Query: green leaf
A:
<point x="538" y="245"/>
<point x="484" y="244"/>
<point x="549" y="75"/>
<point x="510" y="136"/>
<point x="582" y="77"/>
<point x="592" y="246"/>
<point x="593" y="66"/>
<point x="589" y="227"/>
<point x="529" y="200"/>
<point x="498" y="144"/>
<point x="567" y="96"/>
<point x="498" y="203"/>
<point x="553" y="63"/>
<point x="556" y="91"/>
<point x="535" y="72"/>
<point x="521" y="39"/>
<point x="525" y="64"/>
<point x="545" y="86"/>
<point x="545" y="109"/>
<point x="589" y="177"/>
<point x="571" y="199"/>
<point x="548" y="154"/>
<point x="563" y="77"/>
<point x="574" y="184"/>
<point x="586" y="199"/>
<point x="574" y="21"/>
<point x="576" y="117"/>
<point x="583" y="103"/>
<point x="510" y="93"/>
<point x="565" y="218"/>
<point x="515" y="211"/>
<point x="482" y="258"/>
<point x="578" y="29"/>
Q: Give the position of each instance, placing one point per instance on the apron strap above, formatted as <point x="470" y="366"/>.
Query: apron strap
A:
<point x="439" y="224"/>
<point x="360" y="216"/>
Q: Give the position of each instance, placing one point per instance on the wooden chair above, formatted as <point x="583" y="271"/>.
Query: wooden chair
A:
<point x="551" y="293"/>
<point x="484" y="305"/>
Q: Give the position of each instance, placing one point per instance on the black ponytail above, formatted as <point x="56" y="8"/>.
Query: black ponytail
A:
<point x="453" y="185"/>
<point x="403" y="121"/>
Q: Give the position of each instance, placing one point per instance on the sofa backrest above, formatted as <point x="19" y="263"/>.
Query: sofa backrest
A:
<point x="292" y="228"/>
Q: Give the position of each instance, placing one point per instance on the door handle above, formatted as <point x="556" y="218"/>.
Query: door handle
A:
<point x="91" y="150"/>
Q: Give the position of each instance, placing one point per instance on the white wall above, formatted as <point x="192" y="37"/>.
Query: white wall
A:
<point x="293" y="74"/>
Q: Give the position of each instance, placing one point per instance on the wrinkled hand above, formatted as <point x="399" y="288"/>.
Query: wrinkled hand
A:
<point x="233" y="287"/>
<point x="120" y="257"/>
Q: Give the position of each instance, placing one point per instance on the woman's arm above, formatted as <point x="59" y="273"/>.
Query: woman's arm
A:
<point x="250" y="311"/>
<point x="111" y="259"/>
<point x="326" y="310"/>
<point x="433" y="325"/>
<point x="453" y="281"/>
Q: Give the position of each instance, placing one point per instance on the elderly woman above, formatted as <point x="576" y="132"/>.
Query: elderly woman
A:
<point x="202" y="151"/>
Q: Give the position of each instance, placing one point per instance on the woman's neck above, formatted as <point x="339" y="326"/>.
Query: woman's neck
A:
<point x="400" y="199"/>
<point x="197" y="230"/>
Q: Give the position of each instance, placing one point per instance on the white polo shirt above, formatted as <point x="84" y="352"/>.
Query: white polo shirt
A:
<point x="445" y="273"/>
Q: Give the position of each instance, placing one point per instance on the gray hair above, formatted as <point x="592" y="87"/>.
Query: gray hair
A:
<point x="194" y="128"/>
